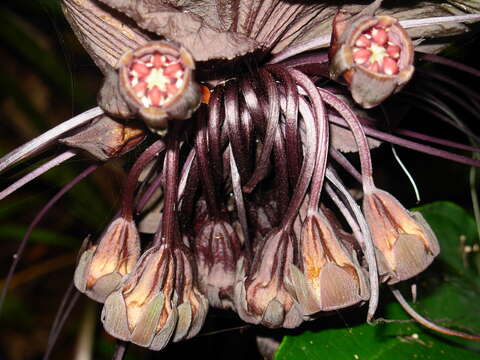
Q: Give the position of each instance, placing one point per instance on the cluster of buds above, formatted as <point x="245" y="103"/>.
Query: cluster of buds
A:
<point x="373" y="54"/>
<point x="158" y="301"/>
<point x="143" y="309"/>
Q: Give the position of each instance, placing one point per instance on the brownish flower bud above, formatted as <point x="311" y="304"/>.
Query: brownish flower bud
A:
<point x="374" y="54"/>
<point x="193" y="306"/>
<point x="106" y="138"/>
<point x="101" y="267"/>
<point x="156" y="80"/>
<point x="329" y="277"/>
<point x="261" y="297"/>
<point x="405" y="243"/>
<point x="144" y="309"/>
<point x="217" y="251"/>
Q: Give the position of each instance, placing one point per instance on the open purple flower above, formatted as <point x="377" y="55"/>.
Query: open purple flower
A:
<point x="247" y="184"/>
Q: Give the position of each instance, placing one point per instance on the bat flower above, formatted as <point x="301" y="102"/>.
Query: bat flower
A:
<point x="237" y="183"/>
<point x="374" y="54"/>
<point x="154" y="82"/>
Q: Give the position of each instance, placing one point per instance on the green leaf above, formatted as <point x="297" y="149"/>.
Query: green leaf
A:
<point x="448" y="294"/>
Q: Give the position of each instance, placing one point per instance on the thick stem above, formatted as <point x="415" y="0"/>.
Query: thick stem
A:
<point x="167" y="229"/>
<point x="273" y="117"/>
<point x="232" y="119"/>
<point x="215" y="121"/>
<point x="201" y="148"/>
<point x="322" y="136"/>
<point x="359" y="135"/>
<point x="290" y="112"/>
<point x="131" y="183"/>
<point x="308" y="165"/>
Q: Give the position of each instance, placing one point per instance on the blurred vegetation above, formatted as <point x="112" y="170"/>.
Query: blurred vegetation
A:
<point x="45" y="78"/>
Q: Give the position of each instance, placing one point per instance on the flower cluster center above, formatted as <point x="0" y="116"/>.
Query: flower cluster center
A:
<point x="156" y="78"/>
<point x="375" y="50"/>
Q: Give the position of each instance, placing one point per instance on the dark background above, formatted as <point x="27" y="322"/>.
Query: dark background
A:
<point x="45" y="78"/>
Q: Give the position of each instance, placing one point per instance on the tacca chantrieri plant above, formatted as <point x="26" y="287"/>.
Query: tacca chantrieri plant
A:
<point x="240" y="151"/>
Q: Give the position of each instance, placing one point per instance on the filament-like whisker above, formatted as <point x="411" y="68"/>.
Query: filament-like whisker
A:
<point x="239" y="201"/>
<point x="45" y="139"/>
<point x="368" y="247"/>
<point x="427" y="323"/>
<point x="42" y="169"/>
<point x="377" y="134"/>
<point x="413" y="23"/>
<point x="451" y="63"/>
<point x="345" y="164"/>
<point x="435" y="140"/>
<point x="55" y="332"/>
<point x="36" y="221"/>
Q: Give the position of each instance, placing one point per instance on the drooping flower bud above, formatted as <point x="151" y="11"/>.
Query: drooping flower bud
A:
<point x="329" y="277"/>
<point x="405" y="243"/>
<point x="374" y="54"/>
<point x="217" y="251"/>
<point x="261" y="297"/>
<point x="156" y="80"/>
<point x="144" y="309"/>
<point x="102" y="266"/>
<point x="193" y="306"/>
<point x="106" y="138"/>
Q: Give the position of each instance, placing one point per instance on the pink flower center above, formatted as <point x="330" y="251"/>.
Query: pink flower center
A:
<point x="375" y="50"/>
<point x="156" y="78"/>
